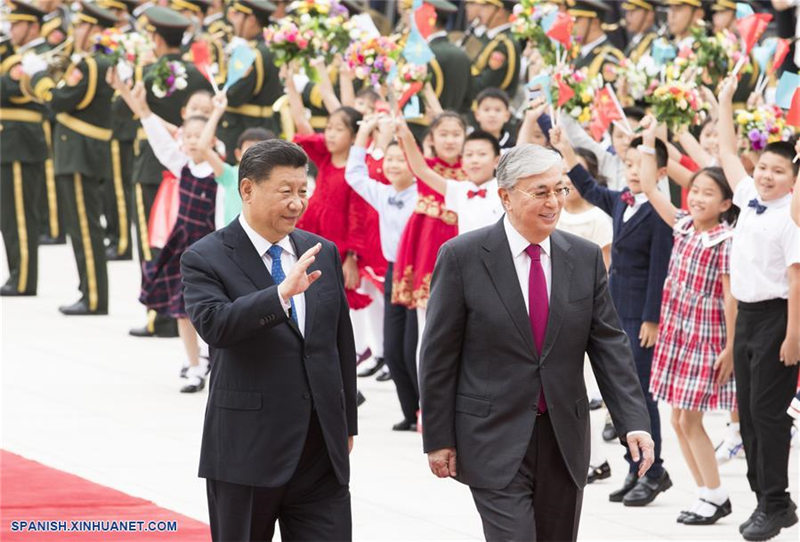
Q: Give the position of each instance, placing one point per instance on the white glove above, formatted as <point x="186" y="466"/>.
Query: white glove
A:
<point x="33" y="64"/>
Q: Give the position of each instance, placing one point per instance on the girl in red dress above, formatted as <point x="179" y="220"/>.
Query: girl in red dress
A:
<point x="340" y="215"/>
<point x="432" y="223"/>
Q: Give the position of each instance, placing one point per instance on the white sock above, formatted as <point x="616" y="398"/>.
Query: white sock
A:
<point x="697" y="502"/>
<point x="716" y="496"/>
<point x="195" y="374"/>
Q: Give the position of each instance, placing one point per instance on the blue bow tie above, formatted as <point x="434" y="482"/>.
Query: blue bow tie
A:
<point x="396" y="202"/>
<point x="757" y="206"/>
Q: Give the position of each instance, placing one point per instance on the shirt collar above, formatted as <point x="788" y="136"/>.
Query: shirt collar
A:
<point x="586" y="49"/>
<point x="439" y="34"/>
<point x="518" y="243"/>
<point x="492" y="32"/>
<point x="262" y="245"/>
<point x="639" y="198"/>
<point x="30" y="45"/>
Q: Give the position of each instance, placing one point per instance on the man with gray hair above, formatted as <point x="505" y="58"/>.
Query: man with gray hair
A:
<point x="513" y="308"/>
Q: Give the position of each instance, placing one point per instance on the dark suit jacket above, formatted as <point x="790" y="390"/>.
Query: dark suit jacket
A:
<point x="480" y="373"/>
<point x="265" y="376"/>
<point x="640" y="250"/>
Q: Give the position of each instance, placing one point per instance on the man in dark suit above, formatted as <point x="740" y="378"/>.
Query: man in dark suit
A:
<point x="269" y="300"/>
<point x="513" y="309"/>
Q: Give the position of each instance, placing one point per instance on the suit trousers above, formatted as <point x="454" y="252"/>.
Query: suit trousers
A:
<point x="20" y="195"/>
<point x="764" y="389"/>
<point x="400" y="349"/>
<point x="542" y="502"/>
<point x="311" y="506"/>
<point x="644" y="362"/>
<point x="82" y="200"/>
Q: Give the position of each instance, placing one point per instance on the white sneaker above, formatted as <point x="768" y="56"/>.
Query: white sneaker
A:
<point x="794" y="407"/>
<point x="730" y="447"/>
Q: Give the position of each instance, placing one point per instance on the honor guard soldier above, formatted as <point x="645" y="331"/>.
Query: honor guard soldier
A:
<point x="723" y="15"/>
<point x="82" y="103"/>
<point x="57" y="23"/>
<point x="195" y="11"/>
<point x="166" y="28"/>
<point x="23" y="152"/>
<point x="449" y="71"/>
<point x="250" y="99"/>
<point x="117" y="193"/>
<point x="498" y="63"/>
<point x="724" y="18"/>
<point x="682" y="15"/>
<point x="597" y="54"/>
<point x="640" y="19"/>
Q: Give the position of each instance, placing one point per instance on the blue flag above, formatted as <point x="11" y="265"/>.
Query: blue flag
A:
<point x="548" y="20"/>
<point x="416" y="50"/>
<point x="241" y="59"/>
<point x="743" y="10"/>
<point x="788" y="84"/>
<point x="663" y="51"/>
<point x="763" y="53"/>
<point x="542" y="81"/>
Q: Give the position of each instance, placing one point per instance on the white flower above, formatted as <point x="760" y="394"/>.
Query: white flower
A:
<point x="575" y="112"/>
<point x="159" y="92"/>
<point x="180" y="83"/>
<point x="683" y="104"/>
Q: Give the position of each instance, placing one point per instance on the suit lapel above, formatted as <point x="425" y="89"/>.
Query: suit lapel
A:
<point x="244" y="255"/>
<point x="560" y="279"/>
<point x="497" y="258"/>
<point x="626" y="228"/>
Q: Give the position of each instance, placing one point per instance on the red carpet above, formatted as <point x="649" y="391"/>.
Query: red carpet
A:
<point x="32" y="492"/>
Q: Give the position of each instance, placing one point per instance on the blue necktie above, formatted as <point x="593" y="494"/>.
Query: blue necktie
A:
<point x="757" y="206"/>
<point x="278" y="275"/>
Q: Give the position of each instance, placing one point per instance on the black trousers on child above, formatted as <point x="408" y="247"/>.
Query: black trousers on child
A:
<point x="400" y="349"/>
<point x="764" y="389"/>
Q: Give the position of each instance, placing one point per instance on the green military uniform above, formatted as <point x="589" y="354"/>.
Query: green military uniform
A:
<point x="312" y="99"/>
<point x="82" y="103"/>
<point x="195" y="11"/>
<point x="23" y="152"/>
<point x="603" y="56"/>
<point x="250" y="99"/>
<point x="749" y="76"/>
<point x="148" y="171"/>
<point x="117" y="193"/>
<point x="498" y="64"/>
<point x="640" y="44"/>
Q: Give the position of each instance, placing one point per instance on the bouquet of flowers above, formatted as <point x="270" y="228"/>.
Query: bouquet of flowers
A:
<point x="410" y="78"/>
<point x="526" y="24"/>
<point x="678" y="104"/>
<point x="124" y="50"/>
<point x="168" y="76"/>
<point x="640" y="78"/>
<point x="311" y="29"/>
<point x="373" y="59"/>
<point x="107" y="42"/>
<point x="713" y="57"/>
<point x="574" y="91"/>
<point x="759" y="127"/>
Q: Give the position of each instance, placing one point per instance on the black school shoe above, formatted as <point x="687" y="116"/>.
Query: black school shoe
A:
<point x="765" y="526"/>
<point x="599" y="473"/>
<point x="646" y="490"/>
<point x="618" y="495"/>
<point x="721" y="510"/>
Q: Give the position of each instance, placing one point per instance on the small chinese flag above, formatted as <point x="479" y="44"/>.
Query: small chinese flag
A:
<point x="425" y="15"/>
<point x="793" y="116"/>
<point x="752" y="27"/>
<point x="781" y="50"/>
<point x="561" y="31"/>
<point x="605" y="112"/>
<point x="201" y="56"/>
<point x="565" y="92"/>
<point x="413" y="88"/>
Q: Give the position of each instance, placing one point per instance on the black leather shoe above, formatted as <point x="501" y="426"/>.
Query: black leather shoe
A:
<point x="384" y="376"/>
<point x="609" y="432"/>
<point x="646" y="490"/>
<point x="599" y="473"/>
<point x="765" y="526"/>
<point x="194" y="388"/>
<point x="721" y="511"/>
<point x="9" y="290"/>
<point x="112" y="254"/>
<point x="748" y="521"/>
<point x="166" y="329"/>
<point x="683" y="515"/>
<point x="360" y="399"/>
<point x="618" y="495"/>
<point x="80" y="308"/>
<point x="372" y="370"/>
<point x="47" y="240"/>
<point x="405" y="425"/>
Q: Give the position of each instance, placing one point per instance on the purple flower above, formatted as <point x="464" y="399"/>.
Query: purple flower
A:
<point x="170" y="80"/>
<point x="758" y="140"/>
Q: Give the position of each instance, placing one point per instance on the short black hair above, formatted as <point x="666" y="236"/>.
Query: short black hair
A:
<point x="717" y="175"/>
<point x="786" y="150"/>
<point x="369" y="93"/>
<point x="636" y="113"/>
<point x="662" y="156"/>
<point x="492" y="92"/>
<point x="173" y="37"/>
<point x="351" y="118"/>
<point x="260" y="159"/>
<point x="482" y="135"/>
<point x="254" y="134"/>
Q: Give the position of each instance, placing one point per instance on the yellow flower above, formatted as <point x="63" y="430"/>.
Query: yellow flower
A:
<point x="741" y="118"/>
<point x="586" y="96"/>
<point x="757" y="116"/>
<point x="660" y="91"/>
<point x="585" y="116"/>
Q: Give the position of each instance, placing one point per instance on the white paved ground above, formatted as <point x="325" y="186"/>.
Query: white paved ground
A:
<point x="80" y="395"/>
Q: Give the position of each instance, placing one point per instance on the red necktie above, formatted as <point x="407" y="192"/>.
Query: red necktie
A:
<point x="628" y="198"/>
<point x="480" y="193"/>
<point x="538" y="306"/>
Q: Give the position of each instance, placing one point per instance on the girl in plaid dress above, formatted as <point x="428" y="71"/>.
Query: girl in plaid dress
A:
<point x="693" y="358"/>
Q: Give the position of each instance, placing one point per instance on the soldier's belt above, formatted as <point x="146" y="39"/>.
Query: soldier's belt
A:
<point x="421" y="121"/>
<point x="20" y="115"/>
<point x="318" y="122"/>
<point x="141" y="135"/>
<point x="84" y="128"/>
<point x="251" y="110"/>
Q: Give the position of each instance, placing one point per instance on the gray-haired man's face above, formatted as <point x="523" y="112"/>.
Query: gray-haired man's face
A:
<point x="532" y="204"/>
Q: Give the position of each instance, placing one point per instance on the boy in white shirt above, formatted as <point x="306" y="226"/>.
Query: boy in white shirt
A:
<point x="476" y="200"/>
<point x="765" y="280"/>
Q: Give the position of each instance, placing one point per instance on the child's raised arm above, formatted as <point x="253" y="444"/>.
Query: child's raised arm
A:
<point x="329" y="99"/>
<point x="415" y="159"/>
<point x="648" y="173"/>
<point x="220" y="102"/>
<point x="301" y="124"/>
<point x="729" y="158"/>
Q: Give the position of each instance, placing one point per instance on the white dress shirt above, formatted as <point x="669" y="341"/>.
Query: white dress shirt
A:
<point x="638" y="200"/>
<point x="392" y="217"/>
<point x="522" y="265"/>
<point x="763" y="246"/>
<point x="475" y="212"/>
<point x="168" y="150"/>
<point x="288" y="259"/>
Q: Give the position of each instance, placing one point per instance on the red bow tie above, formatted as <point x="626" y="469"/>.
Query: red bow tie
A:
<point x="480" y="193"/>
<point x="627" y="197"/>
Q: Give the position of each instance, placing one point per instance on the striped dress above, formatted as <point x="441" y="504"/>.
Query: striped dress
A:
<point x="692" y="329"/>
